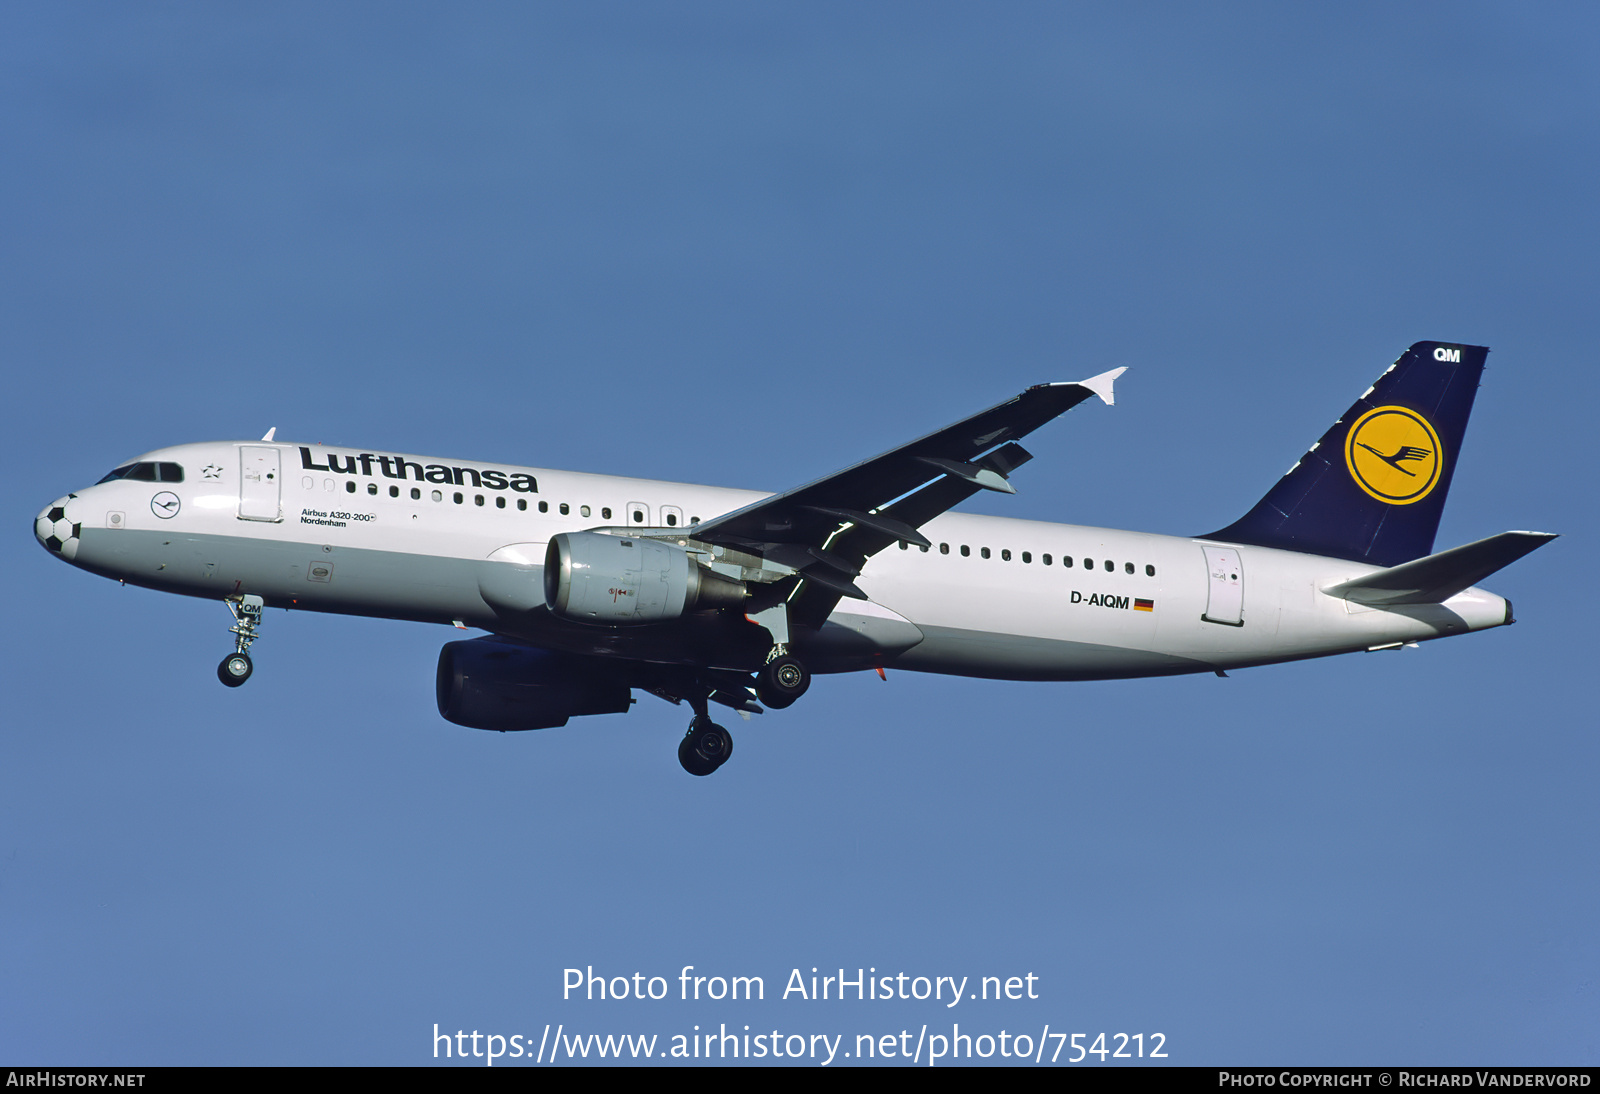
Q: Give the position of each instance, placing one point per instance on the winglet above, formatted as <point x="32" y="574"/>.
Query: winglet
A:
<point x="1101" y="385"/>
<point x="270" y="432"/>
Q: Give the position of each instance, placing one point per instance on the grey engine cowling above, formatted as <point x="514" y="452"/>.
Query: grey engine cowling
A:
<point x="590" y="577"/>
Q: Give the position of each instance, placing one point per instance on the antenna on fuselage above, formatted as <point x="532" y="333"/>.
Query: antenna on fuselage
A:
<point x="270" y="432"/>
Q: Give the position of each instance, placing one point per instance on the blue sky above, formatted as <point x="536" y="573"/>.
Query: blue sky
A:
<point x="748" y="244"/>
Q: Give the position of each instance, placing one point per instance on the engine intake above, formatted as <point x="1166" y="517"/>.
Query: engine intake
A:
<point x="590" y="577"/>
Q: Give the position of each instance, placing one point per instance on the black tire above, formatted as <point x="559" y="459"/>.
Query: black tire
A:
<point x="705" y="747"/>
<point x="781" y="682"/>
<point x="692" y="761"/>
<point x="235" y="669"/>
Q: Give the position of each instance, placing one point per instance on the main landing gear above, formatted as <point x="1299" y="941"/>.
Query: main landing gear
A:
<point x="705" y="747"/>
<point x="782" y="680"/>
<point x="237" y="667"/>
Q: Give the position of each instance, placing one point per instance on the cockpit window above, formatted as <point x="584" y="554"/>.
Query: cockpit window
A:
<point x="147" y="472"/>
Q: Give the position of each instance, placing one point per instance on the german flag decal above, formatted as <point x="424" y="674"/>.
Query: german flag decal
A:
<point x="1143" y="605"/>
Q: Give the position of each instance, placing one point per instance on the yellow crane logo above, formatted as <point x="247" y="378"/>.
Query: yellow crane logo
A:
<point x="1394" y="455"/>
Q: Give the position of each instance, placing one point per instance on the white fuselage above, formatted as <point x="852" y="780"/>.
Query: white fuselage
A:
<point x="441" y="540"/>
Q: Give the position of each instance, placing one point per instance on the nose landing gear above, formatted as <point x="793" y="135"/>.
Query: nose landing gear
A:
<point x="237" y="666"/>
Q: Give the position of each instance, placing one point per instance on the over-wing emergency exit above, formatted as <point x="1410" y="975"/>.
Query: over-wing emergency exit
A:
<point x="593" y="587"/>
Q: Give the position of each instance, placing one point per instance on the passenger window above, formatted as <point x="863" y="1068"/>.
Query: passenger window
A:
<point x="1088" y="564"/>
<point x="544" y="507"/>
<point x="672" y="520"/>
<point x="1044" y="559"/>
<point x="522" y="503"/>
<point x="1110" y="566"/>
<point x="966" y="552"/>
<point x="1026" y="557"/>
<point x="1149" y="571"/>
<point x="394" y="491"/>
<point x="438" y="496"/>
<point x="638" y="517"/>
<point x="984" y="551"/>
<point x="477" y="499"/>
<point x="584" y="509"/>
<point x="350" y="486"/>
<point x="1005" y="554"/>
<point x="1066" y="561"/>
<point x="1127" y="567"/>
<point x="372" y="488"/>
<point x="904" y="546"/>
<point x="565" y="508"/>
<point x="694" y="520"/>
<point x="416" y="495"/>
<point x="605" y="514"/>
<point x="458" y="499"/>
<point x="944" y="548"/>
<point x="499" y="503"/>
<point x="923" y="547"/>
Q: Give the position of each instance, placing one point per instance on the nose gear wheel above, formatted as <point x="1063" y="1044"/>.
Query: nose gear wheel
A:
<point x="235" y="669"/>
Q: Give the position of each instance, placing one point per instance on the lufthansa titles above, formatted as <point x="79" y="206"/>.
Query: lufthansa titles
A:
<point x="398" y="467"/>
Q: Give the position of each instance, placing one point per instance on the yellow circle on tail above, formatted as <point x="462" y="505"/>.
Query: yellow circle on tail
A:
<point x="1394" y="455"/>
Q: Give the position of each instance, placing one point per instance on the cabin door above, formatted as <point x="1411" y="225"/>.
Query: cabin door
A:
<point x="259" y="482"/>
<point x="1224" y="586"/>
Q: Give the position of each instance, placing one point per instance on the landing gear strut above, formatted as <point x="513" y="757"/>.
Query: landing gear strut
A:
<point x="782" y="680"/>
<point x="237" y="667"/>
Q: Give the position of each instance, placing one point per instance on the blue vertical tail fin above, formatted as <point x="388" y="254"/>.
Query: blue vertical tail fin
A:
<point x="1373" y="488"/>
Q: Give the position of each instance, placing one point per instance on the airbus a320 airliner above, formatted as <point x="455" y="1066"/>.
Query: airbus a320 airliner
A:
<point x="592" y="586"/>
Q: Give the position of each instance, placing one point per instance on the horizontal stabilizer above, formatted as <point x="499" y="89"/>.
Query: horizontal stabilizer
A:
<point x="1438" y="577"/>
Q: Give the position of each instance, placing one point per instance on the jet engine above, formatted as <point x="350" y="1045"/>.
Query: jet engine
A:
<point x="487" y="683"/>
<point x="591" y="577"/>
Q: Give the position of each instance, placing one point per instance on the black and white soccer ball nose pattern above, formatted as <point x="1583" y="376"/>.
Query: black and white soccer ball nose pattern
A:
<point x="59" y="534"/>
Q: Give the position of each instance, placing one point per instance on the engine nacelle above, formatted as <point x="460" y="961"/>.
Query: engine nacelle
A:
<point x="486" y="683"/>
<point x="591" y="577"/>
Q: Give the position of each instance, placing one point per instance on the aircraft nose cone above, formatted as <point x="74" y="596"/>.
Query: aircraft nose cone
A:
<point x="59" y="527"/>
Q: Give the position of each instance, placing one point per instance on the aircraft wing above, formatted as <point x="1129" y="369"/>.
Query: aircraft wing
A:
<point x="827" y="529"/>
